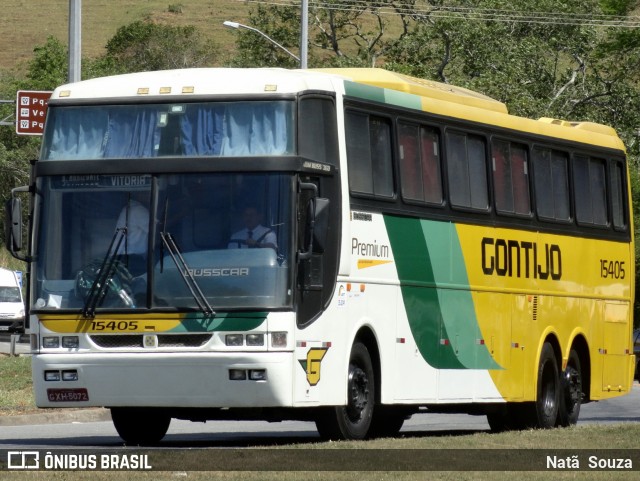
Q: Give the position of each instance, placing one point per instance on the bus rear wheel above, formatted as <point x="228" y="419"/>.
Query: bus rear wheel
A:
<point x="140" y="426"/>
<point x="571" y="391"/>
<point x="353" y="420"/>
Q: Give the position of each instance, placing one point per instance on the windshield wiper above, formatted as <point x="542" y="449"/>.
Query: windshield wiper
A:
<point x="185" y="272"/>
<point x="104" y="278"/>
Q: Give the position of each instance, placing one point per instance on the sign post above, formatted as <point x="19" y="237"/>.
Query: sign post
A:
<point x="31" y="110"/>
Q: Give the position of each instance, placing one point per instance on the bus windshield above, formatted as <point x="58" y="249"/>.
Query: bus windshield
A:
<point x="230" y="129"/>
<point x="159" y="239"/>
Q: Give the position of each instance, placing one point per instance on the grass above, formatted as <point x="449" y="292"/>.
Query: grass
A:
<point x="16" y="396"/>
<point x="623" y="436"/>
<point x="26" y="24"/>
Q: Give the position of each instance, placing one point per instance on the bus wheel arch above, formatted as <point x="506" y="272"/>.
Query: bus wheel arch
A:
<point x="354" y="420"/>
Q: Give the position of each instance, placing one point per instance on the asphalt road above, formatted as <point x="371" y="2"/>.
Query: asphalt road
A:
<point x="96" y="430"/>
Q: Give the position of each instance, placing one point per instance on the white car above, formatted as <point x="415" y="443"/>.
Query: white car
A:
<point x="11" y="302"/>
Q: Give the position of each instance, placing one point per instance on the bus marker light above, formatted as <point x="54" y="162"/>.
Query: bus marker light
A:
<point x="150" y="341"/>
<point x="255" y="339"/>
<point x="302" y="344"/>
<point x="444" y="342"/>
<point x="234" y="339"/>
<point x="165" y="90"/>
<point x="50" y="342"/>
<point x="70" y="375"/>
<point x="237" y="375"/>
<point x="70" y="342"/>
<point x="143" y="91"/>
<point x="188" y="90"/>
<point x="480" y="342"/>
<point x="258" y="375"/>
<point x="52" y="375"/>
<point x="278" y="339"/>
<point x="401" y="340"/>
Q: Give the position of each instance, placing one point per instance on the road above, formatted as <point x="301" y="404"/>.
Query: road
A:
<point x="102" y="434"/>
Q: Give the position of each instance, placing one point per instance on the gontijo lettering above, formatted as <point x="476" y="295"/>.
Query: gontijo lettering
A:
<point x="512" y="258"/>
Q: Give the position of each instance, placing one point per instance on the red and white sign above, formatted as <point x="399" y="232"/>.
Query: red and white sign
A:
<point x="31" y="110"/>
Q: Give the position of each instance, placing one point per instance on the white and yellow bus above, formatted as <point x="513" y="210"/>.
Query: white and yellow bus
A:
<point x="345" y="246"/>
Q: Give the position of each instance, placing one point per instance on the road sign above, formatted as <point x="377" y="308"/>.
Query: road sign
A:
<point x="31" y="110"/>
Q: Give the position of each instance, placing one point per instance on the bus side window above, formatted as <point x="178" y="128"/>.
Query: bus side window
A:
<point x="590" y="190"/>
<point x="369" y="154"/>
<point x="551" y="182"/>
<point x="617" y="196"/>
<point x="466" y="169"/>
<point x="431" y="177"/>
<point x="419" y="163"/>
<point x="510" y="178"/>
<point x="410" y="168"/>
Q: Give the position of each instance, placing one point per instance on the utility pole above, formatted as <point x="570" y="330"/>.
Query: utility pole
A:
<point x="75" y="36"/>
<point x="304" y="33"/>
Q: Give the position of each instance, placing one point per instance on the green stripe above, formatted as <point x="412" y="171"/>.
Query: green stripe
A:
<point x="363" y="91"/>
<point x="233" y="321"/>
<point x="436" y="295"/>
<point x="388" y="96"/>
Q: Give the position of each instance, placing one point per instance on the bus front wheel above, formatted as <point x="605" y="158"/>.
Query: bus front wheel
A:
<point x="140" y="426"/>
<point x="353" y="420"/>
<point x="544" y="412"/>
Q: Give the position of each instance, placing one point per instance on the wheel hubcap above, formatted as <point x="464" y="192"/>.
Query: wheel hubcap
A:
<point x="358" y="393"/>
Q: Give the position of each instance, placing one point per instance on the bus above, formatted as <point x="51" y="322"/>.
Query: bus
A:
<point x="344" y="246"/>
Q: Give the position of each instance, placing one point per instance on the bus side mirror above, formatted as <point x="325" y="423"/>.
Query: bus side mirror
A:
<point x="13" y="224"/>
<point x="317" y="223"/>
<point x="321" y="225"/>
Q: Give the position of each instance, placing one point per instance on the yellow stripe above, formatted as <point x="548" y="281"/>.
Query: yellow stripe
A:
<point x="364" y="263"/>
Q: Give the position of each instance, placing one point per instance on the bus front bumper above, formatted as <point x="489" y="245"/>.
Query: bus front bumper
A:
<point x="164" y="379"/>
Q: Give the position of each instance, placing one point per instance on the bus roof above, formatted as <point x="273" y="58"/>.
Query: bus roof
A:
<point x="375" y="84"/>
<point x="458" y="102"/>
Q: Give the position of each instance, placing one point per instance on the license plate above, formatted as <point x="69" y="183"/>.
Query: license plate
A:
<point x="67" y="395"/>
<point x="4" y="328"/>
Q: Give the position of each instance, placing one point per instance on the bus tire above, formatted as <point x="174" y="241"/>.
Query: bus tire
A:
<point x="140" y="426"/>
<point x="570" y="391"/>
<point x="353" y="420"/>
<point x="545" y="408"/>
<point x="387" y="421"/>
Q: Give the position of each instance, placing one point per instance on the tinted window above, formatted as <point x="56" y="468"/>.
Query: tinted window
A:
<point x="420" y="163"/>
<point x="590" y="190"/>
<point x="617" y="196"/>
<point x="369" y="154"/>
<point x="550" y="174"/>
<point x="466" y="169"/>
<point x="510" y="177"/>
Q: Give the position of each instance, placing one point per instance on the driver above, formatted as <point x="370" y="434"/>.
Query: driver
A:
<point x="254" y="234"/>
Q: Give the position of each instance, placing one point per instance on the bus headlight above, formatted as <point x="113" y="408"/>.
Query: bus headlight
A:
<point x="234" y="339"/>
<point x="70" y="342"/>
<point x="255" y="339"/>
<point x="50" y="342"/>
<point x="278" y="339"/>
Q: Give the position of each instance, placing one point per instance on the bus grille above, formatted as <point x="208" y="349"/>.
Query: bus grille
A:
<point x="119" y="341"/>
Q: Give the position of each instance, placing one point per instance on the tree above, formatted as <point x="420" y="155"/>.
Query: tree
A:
<point x="144" y="45"/>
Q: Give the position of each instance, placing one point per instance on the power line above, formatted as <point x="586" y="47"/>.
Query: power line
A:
<point x="474" y="14"/>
